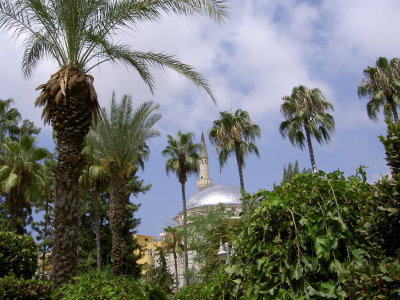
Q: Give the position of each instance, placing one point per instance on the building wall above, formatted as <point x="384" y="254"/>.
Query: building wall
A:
<point x="149" y="245"/>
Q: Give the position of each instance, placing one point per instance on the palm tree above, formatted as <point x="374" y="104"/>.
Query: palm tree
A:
<point x="9" y="117"/>
<point x="43" y="226"/>
<point x="381" y="86"/>
<point x="235" y="134"/>
<point x="182" y="160"/>
<point x="119" y="143"/>
<point x="305" y="117"/>
<point x="93" y="180"/>
<point x="21" y="177"/>
<point x="173" y="242"/>
<point x="79" y="35"/>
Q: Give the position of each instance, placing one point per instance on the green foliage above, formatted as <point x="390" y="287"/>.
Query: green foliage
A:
<point x="235" y="134"/>
<point x="80" y="34"/>
<point x="104" y="285"/>
<point x="24" y="289"/>
<point x="392" y="145"/>
<point x="18" y="255"/>
<point x="207" y="229"/>
<point x="181" y="156"/>
<point x="158" y="275"/>
<point x="216" y="288"/>
<point x="300" y="240"/>
<point x="292" y="170"/>
<point x="374" y="280"/>
<point x="384" y="214"/>
<point x="87" y="243"/>
<point x="380" y="85"/>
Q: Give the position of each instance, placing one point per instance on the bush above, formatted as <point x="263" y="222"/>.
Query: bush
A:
<point x="104" y="285"/>
<point x="24" y="289"/>
<point x="218" y="287"/>
<point x="18" y="255"/>
<point x="300" y="240"/>
<point x="374" y="280"/>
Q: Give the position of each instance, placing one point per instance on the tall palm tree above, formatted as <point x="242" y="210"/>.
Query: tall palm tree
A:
<point x="306" y="117"/>
<point x="381" y="86"/>
<point x="182" y="160"/>
<point x="173" y="243"/>
<point x="21" y="177"/>
<point x="79" y="35"/>
<point x="235" y="134"/>
<point x="119" y="139"/>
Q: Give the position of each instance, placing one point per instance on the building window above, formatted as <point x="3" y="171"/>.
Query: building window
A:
<point x="149" y="252"/>
<point x="146" y="239"/>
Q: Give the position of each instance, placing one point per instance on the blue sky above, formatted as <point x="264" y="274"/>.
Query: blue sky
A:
<point x="252" y="60"/>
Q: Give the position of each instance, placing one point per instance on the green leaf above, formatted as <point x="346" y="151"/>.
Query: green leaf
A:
<point x="297" y="273"/>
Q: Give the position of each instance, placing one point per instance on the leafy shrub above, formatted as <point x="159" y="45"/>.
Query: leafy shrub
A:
<point x="26" y="289"/>
<point x="104" y="285"/>
<point x="374" y="281"/>
<point x="392" y="145"/>
<point x="18" y="255"/>
<point x="385" y="214"/>
<point x="216" y="288"/>
<point x="300" y="240"/>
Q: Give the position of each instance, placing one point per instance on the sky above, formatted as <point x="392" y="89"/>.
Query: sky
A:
<point x="251" y="60"/>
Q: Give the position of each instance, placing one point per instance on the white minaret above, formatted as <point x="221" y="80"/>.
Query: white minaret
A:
<point x="204" y="180"/>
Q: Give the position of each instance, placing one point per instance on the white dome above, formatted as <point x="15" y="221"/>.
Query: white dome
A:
<point x="225" y="194"/>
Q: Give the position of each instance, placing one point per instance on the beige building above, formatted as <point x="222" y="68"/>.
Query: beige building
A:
<point x="149" y="245"/>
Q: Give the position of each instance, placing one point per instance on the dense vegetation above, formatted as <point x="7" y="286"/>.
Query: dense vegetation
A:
<point x="314" y="236"/>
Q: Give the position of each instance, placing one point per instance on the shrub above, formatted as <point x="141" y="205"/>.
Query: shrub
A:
<point x="300" y="240"/>
<point x="374" y="280"/>
<point x="18" y="255"/>
<point x="24" y="289"/>
<point x="392" y="145"/>
<point x="104" y="285"/>
<point x="217" y="287"/>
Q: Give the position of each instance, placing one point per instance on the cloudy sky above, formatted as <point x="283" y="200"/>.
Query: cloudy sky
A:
<point x="253" y="59"/>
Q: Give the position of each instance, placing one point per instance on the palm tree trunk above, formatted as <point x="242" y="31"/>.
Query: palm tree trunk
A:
<point x="185" y="247"/>
<point x="118" y="195"/>
<point x="176" y="269"/>
<point x="71" y="120"/>
<point x="239" y="161"/>
<point x="97" y="228"/>
<point x="67" y="206"/>
<point x="310" y="149"/>
<point x="17" y="216"/>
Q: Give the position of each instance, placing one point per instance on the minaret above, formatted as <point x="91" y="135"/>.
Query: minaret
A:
<point x="204" y="180"/>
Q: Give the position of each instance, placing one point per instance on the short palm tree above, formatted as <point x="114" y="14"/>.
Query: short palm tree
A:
<point x="381" y="86"/>
<point x="306" y="117"/>
<point x="119" y="139"/>
<point x="235" y="134"/>
<point x="21" y="177"/>
<point x="182" y="161"/>
<point x="79" y="35"/>
<point x="9" y="117"/>
<point x="93" y="180"/>
<point x="173" y="243"/>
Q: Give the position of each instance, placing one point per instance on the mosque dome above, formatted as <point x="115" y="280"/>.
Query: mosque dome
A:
<point x="225" y="194"/>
